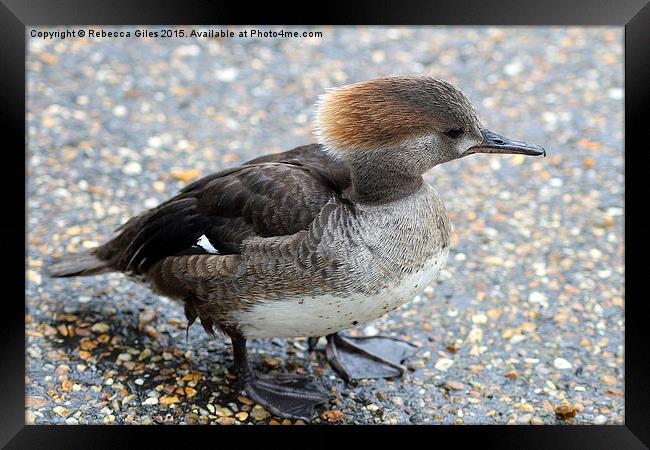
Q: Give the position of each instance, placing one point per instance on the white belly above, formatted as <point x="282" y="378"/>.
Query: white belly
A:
<point x="326" y="314"/>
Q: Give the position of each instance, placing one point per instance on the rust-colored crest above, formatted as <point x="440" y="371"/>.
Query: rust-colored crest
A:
<point x="385" y="111"/>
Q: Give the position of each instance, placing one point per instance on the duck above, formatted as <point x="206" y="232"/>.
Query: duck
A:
<point x="314" y="240"/>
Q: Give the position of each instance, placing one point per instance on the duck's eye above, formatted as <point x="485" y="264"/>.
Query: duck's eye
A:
<point x="454" y="133"/>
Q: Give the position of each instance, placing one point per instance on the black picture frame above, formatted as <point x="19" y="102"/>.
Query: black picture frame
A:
<point x="16" y="15"/>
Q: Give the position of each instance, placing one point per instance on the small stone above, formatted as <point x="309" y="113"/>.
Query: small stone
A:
<point x="185" y="175"/>
<point x="245" y="400"/>
<point x="588" y="162"/>
<point x="150" y="401"/>
<point x="124" y="357"/>
<point x="517" y="338"/>
<point x="615" y="93"/>
<point x="600" y="420"/>
<point x="154" y="141"/>
<point x="372" y="408"/>
<point x="525" y="419"/>
<point x="479" y="318"/>
<point x="120" y="111"/>
<point x="562" y="364"/>
<point x="227" y="75"/>
<point x="565" y="411"/>
<point x="332" y="415"/>
<point x="132" y="168"/>
<point x="30" y="417"/>
<point x="615" y="392"/>
<point x="475" y="335"/>
<point x="536" y="420"/>
<point x="537" y="297"/>
<point x="144" y="354"/>
<point x="241" y="416"/>
<point x="61" y="411"/>
<point x="147" y="316"/>
<point x="444" y="364"/>
<point x="139" y="381"/>
<point x="168" y="400"/>
<point x="512" y="374"/>
<point x="417" y="364"/>
<point x="453" y="385"/>
<point x="608" y="379"/>
<point x="272" y="362"/>
<point x="259" y="413"/>
<point x="513" y="68"/>
<point x="88" y="345"/>
<point x="100" y="327"/>
<point x="222" y="411"/>
<point x="35" y="402"/>
<point x="71" y="421"/>
<point x="226" y="421"/>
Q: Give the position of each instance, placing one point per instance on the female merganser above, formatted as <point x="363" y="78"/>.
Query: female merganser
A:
<point x="314" y="240"/>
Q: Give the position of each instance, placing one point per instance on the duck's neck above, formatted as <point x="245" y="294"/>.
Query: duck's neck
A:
<point x="381" y="182"/>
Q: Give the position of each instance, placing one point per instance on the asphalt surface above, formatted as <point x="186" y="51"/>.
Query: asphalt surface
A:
<point x="526" y="323"/>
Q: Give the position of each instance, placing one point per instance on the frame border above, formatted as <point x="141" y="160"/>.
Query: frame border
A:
<point x="634" y="15"/>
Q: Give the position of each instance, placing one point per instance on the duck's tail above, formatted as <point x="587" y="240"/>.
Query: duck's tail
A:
<point x="76" y="265"/>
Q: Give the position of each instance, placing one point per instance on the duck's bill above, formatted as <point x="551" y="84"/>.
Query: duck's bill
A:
<point x="495" y="143"/>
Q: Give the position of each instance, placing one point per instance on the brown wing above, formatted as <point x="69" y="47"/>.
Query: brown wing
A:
<point x="274" y="195"/>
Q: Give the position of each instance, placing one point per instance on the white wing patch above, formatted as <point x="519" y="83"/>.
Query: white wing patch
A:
<point x="206" y="245"/>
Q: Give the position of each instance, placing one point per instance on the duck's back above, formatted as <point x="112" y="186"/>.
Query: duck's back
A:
<point x="273" y="195"/>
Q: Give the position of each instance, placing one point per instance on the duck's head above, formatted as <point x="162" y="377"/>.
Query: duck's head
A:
<point x="406" y="124"/>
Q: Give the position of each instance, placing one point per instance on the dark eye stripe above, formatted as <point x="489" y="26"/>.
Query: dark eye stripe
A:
<point x="454" y="133"/>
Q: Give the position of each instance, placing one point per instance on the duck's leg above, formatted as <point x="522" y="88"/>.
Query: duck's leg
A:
<point x="290" y="396"/>
<point x="367" y="357"/>
<point x="312" y="342"/>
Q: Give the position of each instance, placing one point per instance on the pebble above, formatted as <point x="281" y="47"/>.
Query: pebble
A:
<point x="61" y="411"/>
<point x="565" y="411"/>
<point x="512" y="374"/>
<point x="132" y="168"/>
<point x="259" y="413"/>
<point x="150" y="401"/>
<point x="562" y="364"/>
<point x="479" y="318"/>
<point x="227" y="75"/>
<point x="100" y="328"/>
<point x="454" y="385"/>
<point x="608" y="379"/>
<point x="226" y="421"/>
<point x="120" y="111"/>
<point x="600" y="420"/>
<point x="444" y="364"/>
<point x="332" y="415"/>
<point x="536" y="420"/>
<point x="537" y="297"/>
<point x="71" y="421"/>
<point x="222" y="411"/>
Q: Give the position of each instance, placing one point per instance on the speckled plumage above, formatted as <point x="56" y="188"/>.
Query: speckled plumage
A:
<point x="301" y="236"/>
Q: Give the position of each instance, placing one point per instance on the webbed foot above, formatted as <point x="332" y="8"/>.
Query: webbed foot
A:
<point x="288" y="396"/>
<point x="367" y="357"/>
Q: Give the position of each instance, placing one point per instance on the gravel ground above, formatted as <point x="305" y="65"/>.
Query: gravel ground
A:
<point x="526" y="322"/>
